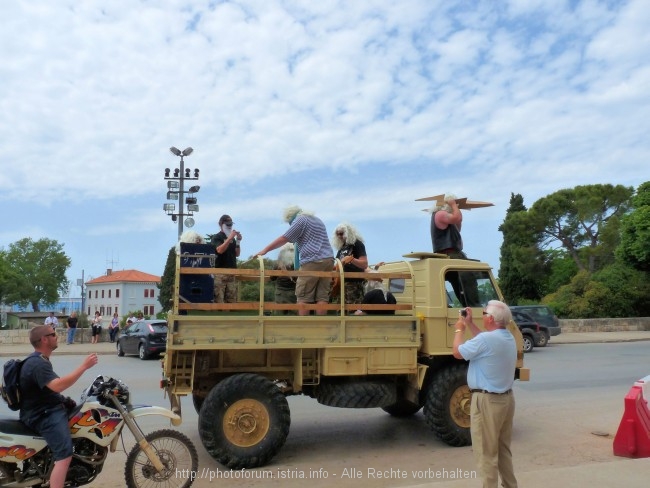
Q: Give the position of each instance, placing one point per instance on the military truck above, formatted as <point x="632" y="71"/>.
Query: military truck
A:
<point x="240" y="361"/>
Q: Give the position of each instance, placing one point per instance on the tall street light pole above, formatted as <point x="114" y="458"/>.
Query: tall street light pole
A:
<point x="176" y="191"/>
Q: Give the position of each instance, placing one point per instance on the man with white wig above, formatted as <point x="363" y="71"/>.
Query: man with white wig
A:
<point x="446" y="221"/>
<point x="314" y="253"/>
<point x="352" y="252"/>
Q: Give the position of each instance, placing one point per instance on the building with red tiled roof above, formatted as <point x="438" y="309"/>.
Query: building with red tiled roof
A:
<point x="122" y="292"/>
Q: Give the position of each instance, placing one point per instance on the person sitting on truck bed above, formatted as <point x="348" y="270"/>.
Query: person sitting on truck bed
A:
<point x="285" y="286"/>
<point x="376" y="294"/>
<point x="309" y="234"/>
<point x="352" y="253"/>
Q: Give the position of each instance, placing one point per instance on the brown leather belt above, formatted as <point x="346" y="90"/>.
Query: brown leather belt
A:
<point x="491" y="392"/>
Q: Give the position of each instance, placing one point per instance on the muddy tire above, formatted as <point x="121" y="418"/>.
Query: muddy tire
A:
<point x="447" y="405"/>
<point x="402" y="408"/>
<point x="244" y="421"/>
<point x="542" y="340"/>
<point x="197" y="401"/>
<point x="357" y="394"/>
<point x="177" y="454"/>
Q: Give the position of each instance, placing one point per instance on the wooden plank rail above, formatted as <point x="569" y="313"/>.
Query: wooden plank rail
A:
<point x="264" y="308"/>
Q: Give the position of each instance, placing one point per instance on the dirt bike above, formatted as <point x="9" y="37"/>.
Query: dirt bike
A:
<point x="163" y="458"/>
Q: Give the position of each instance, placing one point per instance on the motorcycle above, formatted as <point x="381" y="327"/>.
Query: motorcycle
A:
<point x="163" y="458"/>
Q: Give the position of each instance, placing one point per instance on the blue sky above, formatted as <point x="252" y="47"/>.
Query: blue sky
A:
<point x="350" y="109"/>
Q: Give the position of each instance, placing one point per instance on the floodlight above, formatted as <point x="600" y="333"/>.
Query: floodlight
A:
<point x="169" y="207"/>
<point x="187" y="151"/>
<point x="175" y="151"/>
<point x="172" y="185"/>
<point x="190" y="200"/>
<point x="172" y="195"/>
<point x="189" y="222"/>
<point x="193" y="208"/>
<point x="194" y="189"/>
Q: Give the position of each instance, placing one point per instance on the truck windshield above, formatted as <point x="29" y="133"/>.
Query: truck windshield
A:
<point x="469" y="288"/>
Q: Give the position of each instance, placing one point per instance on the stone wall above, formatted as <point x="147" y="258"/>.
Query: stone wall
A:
<point x="21" y="336"/>
<point x="605" y="325"/>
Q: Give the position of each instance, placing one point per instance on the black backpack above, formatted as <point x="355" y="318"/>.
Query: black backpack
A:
<point x="10" y="389"/>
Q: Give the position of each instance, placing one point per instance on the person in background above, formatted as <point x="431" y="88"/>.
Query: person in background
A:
<point x="492" y="357"/>
<point x="309" y="234"/>
<point x="52" y="321"/>
<point x="44" y="409"/>
<point x="227" y="245"/>
<point x="446" y="222"/>
<point x="71" y="325"/>
<point x="96" y="328"/>
<point x="139" y="317"/>
<point x="351" y="251"/>
<point x="113" y="327"/>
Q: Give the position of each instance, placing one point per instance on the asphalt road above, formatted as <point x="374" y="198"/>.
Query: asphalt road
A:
<point x="566" y="415"/>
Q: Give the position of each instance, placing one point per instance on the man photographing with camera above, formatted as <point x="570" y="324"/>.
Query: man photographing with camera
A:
<point x="492" y="356"/>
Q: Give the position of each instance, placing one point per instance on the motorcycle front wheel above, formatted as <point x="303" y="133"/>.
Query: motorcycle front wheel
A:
<point x="178" y="456"/>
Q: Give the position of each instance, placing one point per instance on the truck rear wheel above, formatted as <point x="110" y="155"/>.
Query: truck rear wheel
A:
<point x="244" y="421"/>
<point x="447" y="405"/>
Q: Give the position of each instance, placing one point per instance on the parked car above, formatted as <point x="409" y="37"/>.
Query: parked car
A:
<point x="145" y="338"/>
<point x="540" y="333"/>
<point x="543" y="315"/>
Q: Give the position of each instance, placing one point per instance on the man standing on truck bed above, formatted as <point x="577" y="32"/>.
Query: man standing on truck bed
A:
<point x="492" y="357"/>
<point x="226" y="243"/>
<point x="446" y="221"/>
<point x="309" y="234"/>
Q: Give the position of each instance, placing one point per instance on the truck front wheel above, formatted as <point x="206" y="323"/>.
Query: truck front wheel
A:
<point x="244" y="421"/>
<point x="447" y="405"/>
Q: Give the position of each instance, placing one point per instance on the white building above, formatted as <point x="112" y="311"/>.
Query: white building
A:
<point x="121" y="292"/>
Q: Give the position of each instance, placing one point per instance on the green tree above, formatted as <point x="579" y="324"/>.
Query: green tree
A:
<point x="583" y="221"/>
<point x="7" y="277"/>
<point x="39" y="272"/>
<point x="634" y="248"/>
<point x="522" y="265"/>
<point x="166" y="285"/>
<point x="615" y="291"/>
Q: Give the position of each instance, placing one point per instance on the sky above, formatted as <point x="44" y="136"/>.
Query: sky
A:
<point x="350" y="109"/>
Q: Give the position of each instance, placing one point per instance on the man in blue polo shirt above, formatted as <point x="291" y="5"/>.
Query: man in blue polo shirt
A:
<point x="492" y="356"/>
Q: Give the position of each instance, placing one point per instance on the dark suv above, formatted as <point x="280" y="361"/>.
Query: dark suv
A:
<point x="144" y="338"/>
<point x="529" y="329"/>
<point x="543" y="315"/>
<point x="539" y="334"/>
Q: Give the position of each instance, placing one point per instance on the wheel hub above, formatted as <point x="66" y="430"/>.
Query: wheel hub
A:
<point x="246" y="422"/>
<point x="459" y="406"/>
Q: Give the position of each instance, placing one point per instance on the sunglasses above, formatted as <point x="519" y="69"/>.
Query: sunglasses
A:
<point x="486" y="313"/>
<point x="50" y="335"/>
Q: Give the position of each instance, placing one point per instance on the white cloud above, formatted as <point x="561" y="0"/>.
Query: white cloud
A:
<point x="352" y="109"/>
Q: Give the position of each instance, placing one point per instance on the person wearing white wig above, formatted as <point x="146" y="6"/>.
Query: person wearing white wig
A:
<point x="446" y="221"/>
<point x="351" y="251"/>
<point x="314" y="253"/>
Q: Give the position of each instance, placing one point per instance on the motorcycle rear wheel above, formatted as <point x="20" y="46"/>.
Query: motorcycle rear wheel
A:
<point x="177" y="454"/>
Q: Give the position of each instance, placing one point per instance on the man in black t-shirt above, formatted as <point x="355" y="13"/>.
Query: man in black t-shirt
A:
<point x="43" y="407"/>
<point x="226" y="243"/>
